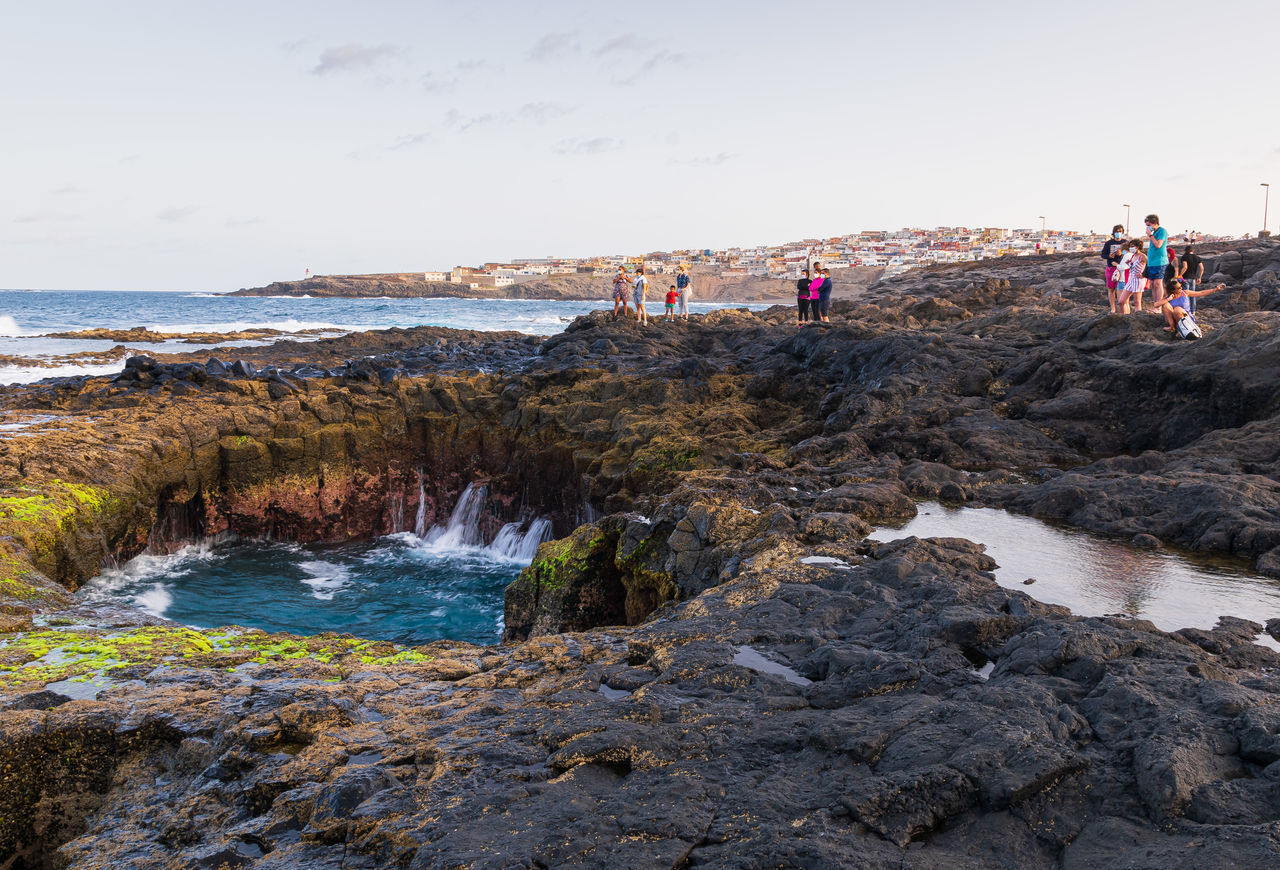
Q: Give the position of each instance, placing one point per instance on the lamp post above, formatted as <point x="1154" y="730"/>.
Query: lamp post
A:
<point x="1126" y="219"/>
<point x="1266" y="200"/>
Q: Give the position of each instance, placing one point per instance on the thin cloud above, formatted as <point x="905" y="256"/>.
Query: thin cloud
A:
<point x="436" y="83"/>
<point x="66" y="190"/>
<point x="233" y="223"/>
<point x="409" y="142"/>
<point x="625" y="42"/>
<point x="598" y="145"/>
<point x="353" y="57"/>
<point x="708" y="160"/>
<point x="660" y="59"/>
<point x="176" y="213"/>
<point x="544" y="111"/>
<point x="554" y="46"/>
<point x="46" y="217"/>
<point x="460" y="122"/>
<point x="294" y="45"/>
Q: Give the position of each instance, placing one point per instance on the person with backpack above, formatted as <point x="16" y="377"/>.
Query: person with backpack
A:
<point x="1177" y="310"/>
<point x="685" y="290"/>
<point x="1112" y="250"/>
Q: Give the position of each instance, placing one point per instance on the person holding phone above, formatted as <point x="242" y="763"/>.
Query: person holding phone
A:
<point x="1157" y="257"/>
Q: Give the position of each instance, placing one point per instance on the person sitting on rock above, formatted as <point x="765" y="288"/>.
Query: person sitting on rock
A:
<point x="1177" y="305"/>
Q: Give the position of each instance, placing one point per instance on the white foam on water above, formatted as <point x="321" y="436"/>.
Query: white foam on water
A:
<point x="984" y="673"/>
<point x="154" y="600"/>
<point x="285" y="324"/>
<point x="146" y="571"/>
<point x="326" y="579"/>
<point x="9" y="326"/>
<point x="31" y="374"/>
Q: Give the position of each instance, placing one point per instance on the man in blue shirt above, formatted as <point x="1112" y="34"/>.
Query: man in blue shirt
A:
<point x="1157" y="257"/>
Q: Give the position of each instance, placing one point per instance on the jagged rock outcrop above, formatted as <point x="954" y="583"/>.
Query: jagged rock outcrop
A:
<point x="685" y="684"/>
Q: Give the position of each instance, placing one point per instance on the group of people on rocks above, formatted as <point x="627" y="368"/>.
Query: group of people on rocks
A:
<point x="635" y="289"/>
<point x="1134" y="266"/>
<point x="813" y="295"/>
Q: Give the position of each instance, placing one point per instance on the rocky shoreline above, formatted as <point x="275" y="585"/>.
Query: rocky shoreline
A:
<point x="682" y="683"/>
<point x="709" y="286"/>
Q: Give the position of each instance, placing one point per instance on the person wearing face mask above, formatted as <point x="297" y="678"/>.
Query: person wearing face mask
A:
<point x="1112" y="251"/>
<point x="1157" y="257"/>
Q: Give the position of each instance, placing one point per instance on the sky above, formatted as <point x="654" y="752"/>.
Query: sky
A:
<point x="201" y="146"/>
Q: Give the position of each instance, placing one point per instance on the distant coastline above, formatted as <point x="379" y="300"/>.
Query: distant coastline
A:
<point x="708" y="287"/>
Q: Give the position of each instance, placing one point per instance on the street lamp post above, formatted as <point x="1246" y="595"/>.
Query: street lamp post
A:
<point x="1126" y="219"/>
<point x="1266" y="200"/>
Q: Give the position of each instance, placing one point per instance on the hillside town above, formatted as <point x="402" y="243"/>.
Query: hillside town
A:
<point x="893" y="250"/>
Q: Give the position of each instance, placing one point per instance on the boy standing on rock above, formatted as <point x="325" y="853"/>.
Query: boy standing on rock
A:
<point x="672" y="295"/>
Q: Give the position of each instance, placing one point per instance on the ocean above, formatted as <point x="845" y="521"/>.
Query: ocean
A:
<point x="26" y="315"/>
<point x="413" y="587"/>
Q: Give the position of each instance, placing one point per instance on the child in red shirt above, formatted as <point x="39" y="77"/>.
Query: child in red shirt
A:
<point x="672" y="296"/>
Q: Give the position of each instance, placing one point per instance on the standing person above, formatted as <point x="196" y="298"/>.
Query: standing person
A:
<point x="802" y="298"/>
<point x="1112" y="251"/>
<point x="1157" y="258"/>
<point x="672" y="295"/>
<point x="1134" y="264"/>
<point x="824" y="296"/>
<point x="685" y="290"/>
<point x="639" y="286"/>
<point x="621" y="286"/>
<point x="1191" y="271"/>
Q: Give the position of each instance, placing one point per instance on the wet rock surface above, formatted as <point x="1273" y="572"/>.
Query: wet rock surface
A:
<point x="711" y="666"/>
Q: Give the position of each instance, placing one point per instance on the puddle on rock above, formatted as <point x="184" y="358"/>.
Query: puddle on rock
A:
<point x="750" y="658"/>
<point x="1095" y="576"/>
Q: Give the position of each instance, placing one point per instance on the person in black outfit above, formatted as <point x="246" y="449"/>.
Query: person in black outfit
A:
<point x="802" y="297"/>
<point x="1112" y="251"/>
<point x="1191" y="271"/>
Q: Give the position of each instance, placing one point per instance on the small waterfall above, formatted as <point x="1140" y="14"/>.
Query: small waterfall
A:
<point x="513" y="542"/>
<point x="463" y="528"/>
<point x="420" y="521"/>
<point x="519" y="546"/>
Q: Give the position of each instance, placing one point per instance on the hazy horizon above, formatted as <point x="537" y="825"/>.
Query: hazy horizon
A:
<point x="156" y="147"/>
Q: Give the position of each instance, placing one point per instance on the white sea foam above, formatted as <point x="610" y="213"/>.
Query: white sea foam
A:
<point x="31" y="374"/>
<point x="284" y="324"/>
<point x="9" y="326"/>
<point x="155" y="599"/>
<point x="326" y="580"/>
<point x="142" y="578"/>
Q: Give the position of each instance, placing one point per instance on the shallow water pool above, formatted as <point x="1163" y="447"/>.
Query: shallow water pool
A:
<point x="1095" y="576"/>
